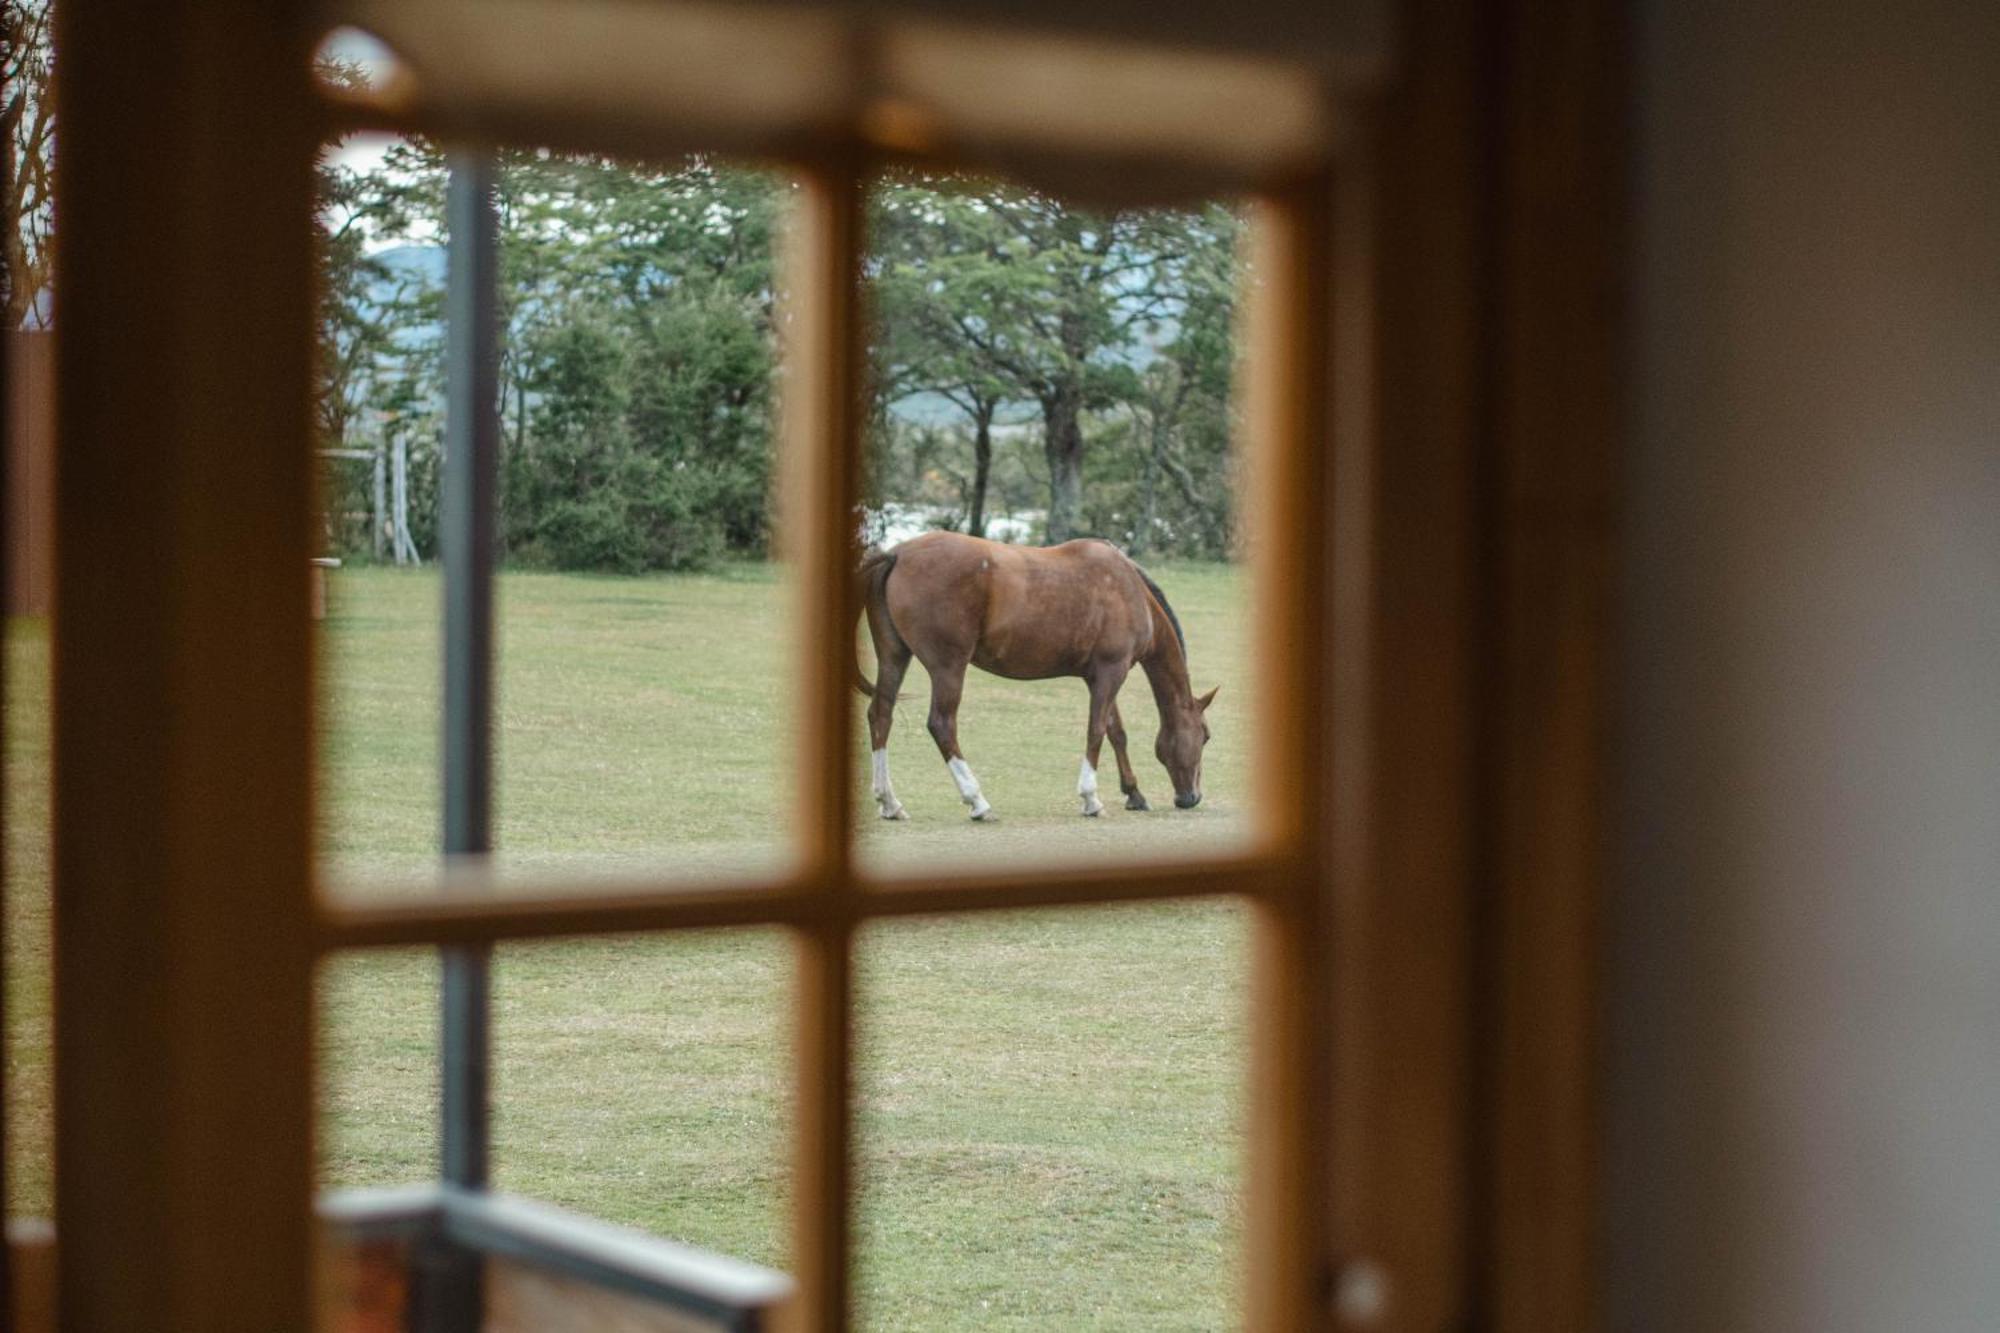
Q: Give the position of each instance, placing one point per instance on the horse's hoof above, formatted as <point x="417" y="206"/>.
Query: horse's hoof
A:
<point x="898" y="813"/>
<point x="985" y="816"/>
<point x="1136" y="802"/>
<point x="1094" y="813"/>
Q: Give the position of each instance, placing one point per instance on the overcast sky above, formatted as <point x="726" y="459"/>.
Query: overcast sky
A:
<point x="361" y="152"/>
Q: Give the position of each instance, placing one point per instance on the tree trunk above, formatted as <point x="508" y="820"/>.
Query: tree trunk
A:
<point x="516" y="457"/>
<point x="1149" y="493"/>
<point x="20" y="279"/>
<point x="982" y="467"/>
<point x="1062" y="446"/>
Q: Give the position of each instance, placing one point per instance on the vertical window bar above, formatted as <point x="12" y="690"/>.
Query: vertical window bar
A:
<point x="467" y="535"/>
<point x="822" y="407"/>
<point x="7" y="390"/>
<point x="1286" y="328"/>
<point x="467" y="538"/>
<point x="451" y="1295"/>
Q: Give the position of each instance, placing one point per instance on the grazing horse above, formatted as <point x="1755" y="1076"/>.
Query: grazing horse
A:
<point x="1027" y="613"/>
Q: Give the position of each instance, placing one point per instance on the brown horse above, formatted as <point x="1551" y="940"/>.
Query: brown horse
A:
<point x="1027" y="613"/>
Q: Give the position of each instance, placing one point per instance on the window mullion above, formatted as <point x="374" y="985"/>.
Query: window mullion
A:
<point x="822" y="404"/>
<point x="466" y="538"/>
<point x="1287" y="330"/>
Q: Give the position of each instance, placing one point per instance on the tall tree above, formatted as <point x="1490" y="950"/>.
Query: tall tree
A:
<point x="27" y="108"/>
<point x="1180" y="398"/>
<point x="1027" y="298"/>
<point x="640" y="353"/>
<point x="354" y="327"/>
<point x="637" y="350"/>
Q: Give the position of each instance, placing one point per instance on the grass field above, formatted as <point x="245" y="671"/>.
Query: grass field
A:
<point x="1050" y="1102"/>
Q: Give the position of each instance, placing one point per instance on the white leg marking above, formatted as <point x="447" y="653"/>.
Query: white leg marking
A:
<point x="968" y="788"/>
<point x="885" y="795"/>
<point x="1086" y="787"/>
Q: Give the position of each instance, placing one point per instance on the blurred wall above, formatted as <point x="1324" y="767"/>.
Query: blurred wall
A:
<point x="1805" y="937"/>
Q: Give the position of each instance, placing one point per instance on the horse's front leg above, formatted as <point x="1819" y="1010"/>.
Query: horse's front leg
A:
<point x="947" y="686"/>
<point x="1103" y="693"/>
<point x="1128" y="781"/>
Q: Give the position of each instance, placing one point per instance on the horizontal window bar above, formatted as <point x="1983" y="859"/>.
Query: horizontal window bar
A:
<point x="553" y="913"/>
<point x="1000" y="890"/>
<point x="800" y="903"/>
<point x="708" y="1290"/>
<point x="1177" y="121"/>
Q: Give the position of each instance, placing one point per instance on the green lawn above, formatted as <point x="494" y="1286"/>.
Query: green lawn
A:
<point x="1050" y="1102"/>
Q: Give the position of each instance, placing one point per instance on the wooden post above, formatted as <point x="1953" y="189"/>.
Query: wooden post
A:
<point x="183" y="797"/>
<point x="405" y="549"/>
<point x="379" y="464"/>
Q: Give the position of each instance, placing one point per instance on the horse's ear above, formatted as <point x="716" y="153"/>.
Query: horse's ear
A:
<point x="1206" y="699"/>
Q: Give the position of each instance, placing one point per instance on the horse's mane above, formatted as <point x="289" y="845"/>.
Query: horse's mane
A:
<point x="1165" y="605"/>
<point x="1151" y="587"/>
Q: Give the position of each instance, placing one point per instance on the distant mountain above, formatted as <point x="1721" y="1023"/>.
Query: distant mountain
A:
<point x="413" y="260"/>
<point x="408" y="266"/>
<point x="427" y="263"/>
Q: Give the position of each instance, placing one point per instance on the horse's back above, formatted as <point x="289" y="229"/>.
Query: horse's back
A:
<point x="937" y="593"/>
<point x="1020" y="611"/>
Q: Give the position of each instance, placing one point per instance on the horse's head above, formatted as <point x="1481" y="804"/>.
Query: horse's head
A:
<point x="1183" y="732"/>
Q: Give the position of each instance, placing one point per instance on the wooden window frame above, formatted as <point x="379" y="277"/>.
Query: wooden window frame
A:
<point x="1446" y="390"/>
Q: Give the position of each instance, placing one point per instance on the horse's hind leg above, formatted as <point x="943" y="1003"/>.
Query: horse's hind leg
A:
<point x="947" y="686"/>
<point x="890" y="665"/>
<point x="1128" y="781"/>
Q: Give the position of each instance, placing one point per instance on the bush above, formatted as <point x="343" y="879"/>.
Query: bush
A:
<point x="641" y="518"/>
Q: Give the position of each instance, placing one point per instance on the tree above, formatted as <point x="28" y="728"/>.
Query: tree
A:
<point x="1180" y="399"/>
<point x="919" y="344"/>
<point x="674" y="268"/>
<point x="29" y="114"/>
<point x="636" y="352"/>
<point x="354" y="331"/>
<point x="1017" y="295"/>
<point x="639" y="352"/>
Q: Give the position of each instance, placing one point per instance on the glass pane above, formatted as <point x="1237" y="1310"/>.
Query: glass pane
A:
<point x="1051" y="1119"/>
<point x="642" y="1081"/>
<point x="1042" y="375"/>
<point x="378" y="1068"/>
<point x="642" y="723"/>
<point x="378" y="420"/>
<point x="381" y="696"/>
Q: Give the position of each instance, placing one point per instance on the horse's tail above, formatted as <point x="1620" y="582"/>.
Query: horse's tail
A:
<point x="869" y="578"/>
